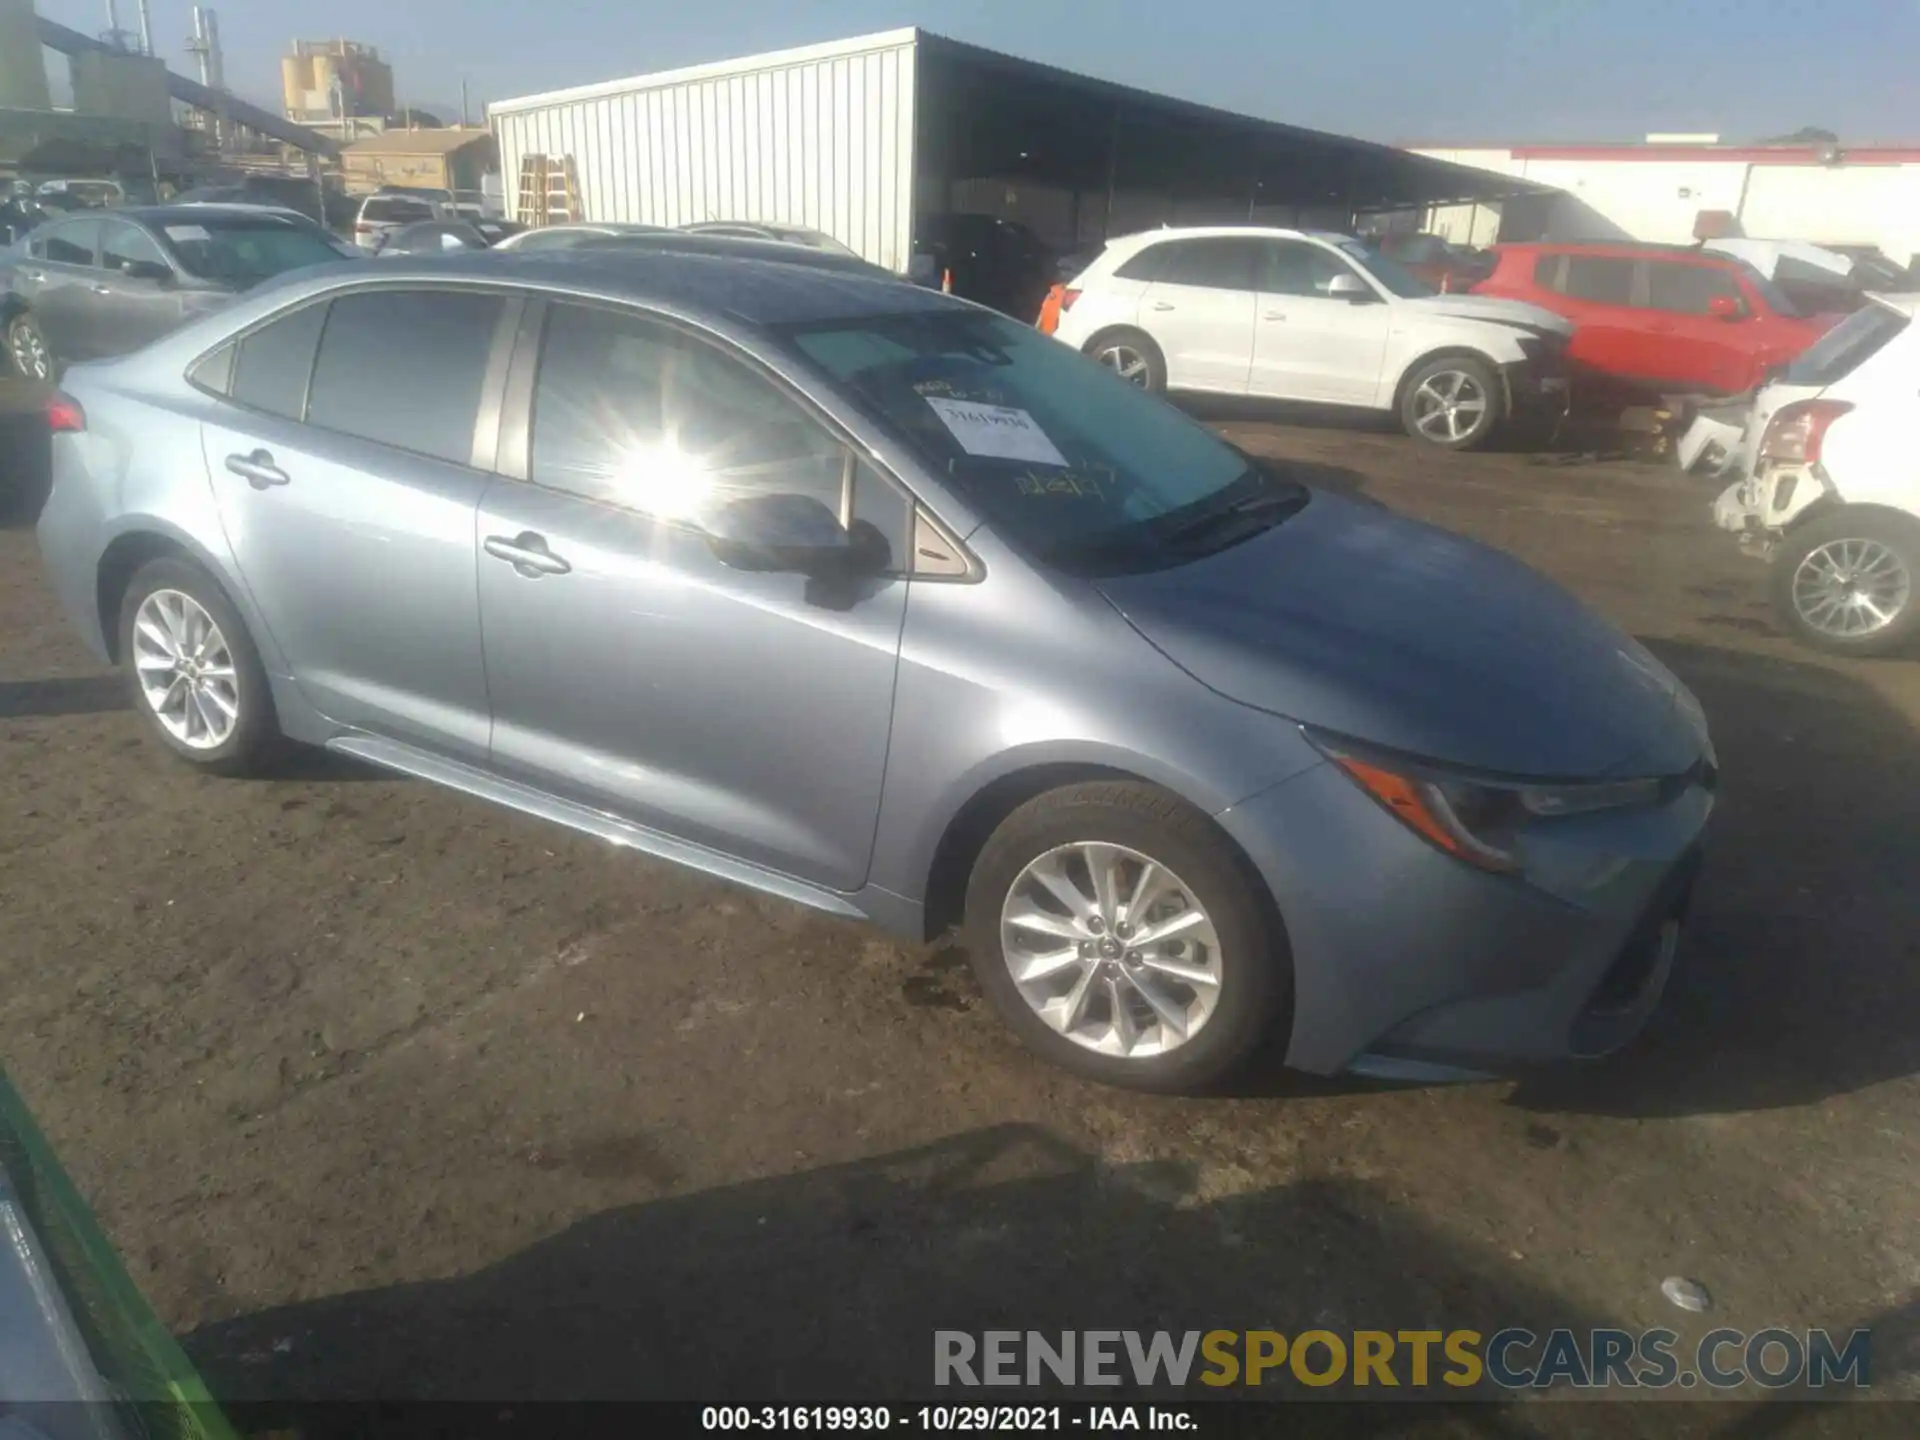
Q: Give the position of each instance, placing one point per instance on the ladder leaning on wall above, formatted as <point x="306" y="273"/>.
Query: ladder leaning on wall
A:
<point x="549" y="191"/>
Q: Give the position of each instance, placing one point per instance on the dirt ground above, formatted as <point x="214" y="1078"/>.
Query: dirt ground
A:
<point x="384" y="1092"/>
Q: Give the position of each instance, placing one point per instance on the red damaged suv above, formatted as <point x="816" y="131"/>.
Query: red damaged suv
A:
<point x="1668" y="319"/>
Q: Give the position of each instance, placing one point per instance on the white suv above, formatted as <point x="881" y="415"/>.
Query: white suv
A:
<point x="1303" y="315"/>
<point x="1832" y="493"/>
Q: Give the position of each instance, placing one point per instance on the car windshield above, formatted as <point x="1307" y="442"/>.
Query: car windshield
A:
<point x="1073" y="464"/>
<point x="246" y="251"/>
<point x="1397" y="279"/>
<point x="1776" y="298"/>
<point x="1846" y="347"/>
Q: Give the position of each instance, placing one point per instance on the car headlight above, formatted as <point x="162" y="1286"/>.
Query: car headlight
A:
<point x="1473" y="818"/>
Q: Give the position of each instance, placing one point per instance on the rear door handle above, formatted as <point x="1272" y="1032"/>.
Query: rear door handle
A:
<point x="102" y="289"/>
<point x="527" y="553"/>
<point x="257" y="469"/>
<point x="35" y="275"/>
<point x="1276" y="315"/>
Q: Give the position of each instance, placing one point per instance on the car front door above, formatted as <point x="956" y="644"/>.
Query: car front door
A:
<point x="1596" y="292"/>
<point x="1311" y="344"/>
<point x="1706" y="351"/>
<point x="131" y="309"/>
<point x="1200" y="311"/>
<point x="61" y="269"/>
<point x="631" y="669"/>
<point x="345" y="473"/>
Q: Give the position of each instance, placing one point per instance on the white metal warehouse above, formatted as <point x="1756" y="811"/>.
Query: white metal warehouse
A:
<point x="866" y="138"/>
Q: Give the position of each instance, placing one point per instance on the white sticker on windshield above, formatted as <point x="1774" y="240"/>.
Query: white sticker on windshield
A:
<point x="997" y="431"/>
<point x="187" y="232"/>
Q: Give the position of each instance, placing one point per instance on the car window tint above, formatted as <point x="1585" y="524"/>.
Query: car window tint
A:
<point x="635" y="414"/>
<point x="551" y="239"/>
<point x="1598" y="278"/>
<point x="70" y="244"/>
<point x="1687" y="289"/>
<point x="405" y="368"/>
<point x="1143" y="266"/>
<point x="1296" y="269"/>
<point x="275" y="362"/>
<point x="385" y="210"/>
<point x="1219" y="264"/>
<point x="123" y="245"/>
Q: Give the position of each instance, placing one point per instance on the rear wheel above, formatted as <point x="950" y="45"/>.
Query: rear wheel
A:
<point x="27" y="349"/>
<point x="192" y="671"/>
<point x="1454" y="401"/>
<point x="1121" y="937"/>
<point x="1132" y="355"/>
<point x="1847" y="583"/>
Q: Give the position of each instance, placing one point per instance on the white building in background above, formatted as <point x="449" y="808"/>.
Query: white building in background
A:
<point x="1658" y="189"/>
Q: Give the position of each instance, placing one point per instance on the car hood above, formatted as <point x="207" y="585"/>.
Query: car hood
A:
<point x="1352" y="619"/>
<point x="1497" y="308"/>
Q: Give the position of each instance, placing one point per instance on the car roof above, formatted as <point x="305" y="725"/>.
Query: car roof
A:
<point x="1142" y="238"/>
<point x="757" y="291"/>
<point x="1618" y="249"/>
<point x="191" y="211"/>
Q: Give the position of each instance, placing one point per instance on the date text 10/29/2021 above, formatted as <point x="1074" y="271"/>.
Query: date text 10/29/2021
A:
<point x="946" y="1419"/>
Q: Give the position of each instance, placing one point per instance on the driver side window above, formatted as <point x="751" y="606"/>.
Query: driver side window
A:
<point x="1296" y="269"/>
<point x="123" y="245"/>
<point x="635" y="414"/>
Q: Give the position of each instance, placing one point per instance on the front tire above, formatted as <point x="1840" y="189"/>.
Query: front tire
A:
<point x="1133" y="356"/>
<point x="1453" y="401"/>
<point x="192" y="671"/>
<point x="27" y="350"/>
<point x="1849" y="583"/>
<point x="1121" y="937"/>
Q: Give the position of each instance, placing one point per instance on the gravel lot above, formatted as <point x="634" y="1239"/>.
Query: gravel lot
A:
<point x="383" y="1092"/>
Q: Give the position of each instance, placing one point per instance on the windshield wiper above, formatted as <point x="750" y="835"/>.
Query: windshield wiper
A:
<point x="1249" y="514"/>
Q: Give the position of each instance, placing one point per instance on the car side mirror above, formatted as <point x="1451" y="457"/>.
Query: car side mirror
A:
<point x="148" y="270"/>
<point x="1349" y="287"/>
<point x="1727" y="307"/>
<point x="792" y="534"/>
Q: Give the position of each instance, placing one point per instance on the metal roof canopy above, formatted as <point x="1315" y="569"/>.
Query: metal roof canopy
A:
<point x="986" y="114"/>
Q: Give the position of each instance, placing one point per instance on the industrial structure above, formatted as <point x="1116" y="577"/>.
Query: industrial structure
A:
<point x="868" y="139"/>
<point x="1660" y="188"/>
<point x="131" y="116"/>
<point x="327" y="81"/>
<point x="452" y="159"/>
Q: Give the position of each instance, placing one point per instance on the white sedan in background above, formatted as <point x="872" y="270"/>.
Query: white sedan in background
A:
<point x="1306" y="315"/>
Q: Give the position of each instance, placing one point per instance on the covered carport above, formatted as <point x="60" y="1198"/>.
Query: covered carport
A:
<point x="1079" y="160"/>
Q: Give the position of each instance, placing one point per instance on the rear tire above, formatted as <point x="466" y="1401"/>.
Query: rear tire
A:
<point x="1454" y="402"/>
<point x="192" y="672"/>
<point x="1831" y="576"/>
<point x="27" y="350"/>
<point x="1183" y="1036"/>
<point x="1133" y="356"/>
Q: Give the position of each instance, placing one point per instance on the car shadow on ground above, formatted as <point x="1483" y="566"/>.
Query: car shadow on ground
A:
<point x="79" y="695"/>
<point x="829" y="1284"/>
<point x="1800" y="973"/>
<point x="26" y="463"/>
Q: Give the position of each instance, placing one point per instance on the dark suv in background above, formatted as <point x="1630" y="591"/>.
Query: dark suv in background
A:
<point x="998" y="263"/>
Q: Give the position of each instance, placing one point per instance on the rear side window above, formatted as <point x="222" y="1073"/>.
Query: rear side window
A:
<point x="1143" y="266"/>
<point x="1225" y="263"/>
<point x="1846" y="347"/>
<point x="271" y="369"/>
<point x="389" y="210"/>
<point x="1599" y="278"/>
<point x="1687" y="289"/>
<point x="405" y="368"/>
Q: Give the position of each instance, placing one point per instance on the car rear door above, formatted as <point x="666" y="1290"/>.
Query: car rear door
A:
<point x="1200" y="311"/>
<point x="62" y="267"/>
<point x="1310" y="344"/>
<point x="629" y="668"/>
<point x="1703" y="351"/>
<point x="344" y="467"/>
<point x="1596" y="292"/>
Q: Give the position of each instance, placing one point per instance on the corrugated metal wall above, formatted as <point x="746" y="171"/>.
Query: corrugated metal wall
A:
<point x="826" y="143"/>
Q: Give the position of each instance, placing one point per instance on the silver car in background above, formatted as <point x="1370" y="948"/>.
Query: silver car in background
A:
<point x="873" y="599"/>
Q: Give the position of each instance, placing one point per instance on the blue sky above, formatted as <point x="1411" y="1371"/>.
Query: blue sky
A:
<point x="1385" y="69"/>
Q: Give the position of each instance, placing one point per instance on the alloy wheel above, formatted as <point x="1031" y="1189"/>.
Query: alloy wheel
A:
<point x="1449" y="406"/>
<point x="186" y="670"/>
<point x="1126" y="362"/>
<point x="1111" y="949"/>
<point x="30" y="355"/>
<point x="1851" y="588"/>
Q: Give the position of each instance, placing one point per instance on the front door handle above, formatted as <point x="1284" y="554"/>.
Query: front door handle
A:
<point x="527" y="553"/>
<point x="1161" y="305"/>
<point x="102" y="289"/>
<point x="35" y="275"/>
<point x="1276" y="315"/>
<point x="257" y="469"/>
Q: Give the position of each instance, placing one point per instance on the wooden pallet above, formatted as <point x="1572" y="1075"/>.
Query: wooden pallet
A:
<point x="549" y="191"/>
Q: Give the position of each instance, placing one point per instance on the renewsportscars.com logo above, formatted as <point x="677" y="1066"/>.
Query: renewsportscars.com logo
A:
<point x="1513" y="1359"/>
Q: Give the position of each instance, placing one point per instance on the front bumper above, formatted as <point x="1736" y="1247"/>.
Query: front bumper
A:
<point x="1408" y="962"/>
<point x="1540" y="388"/>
